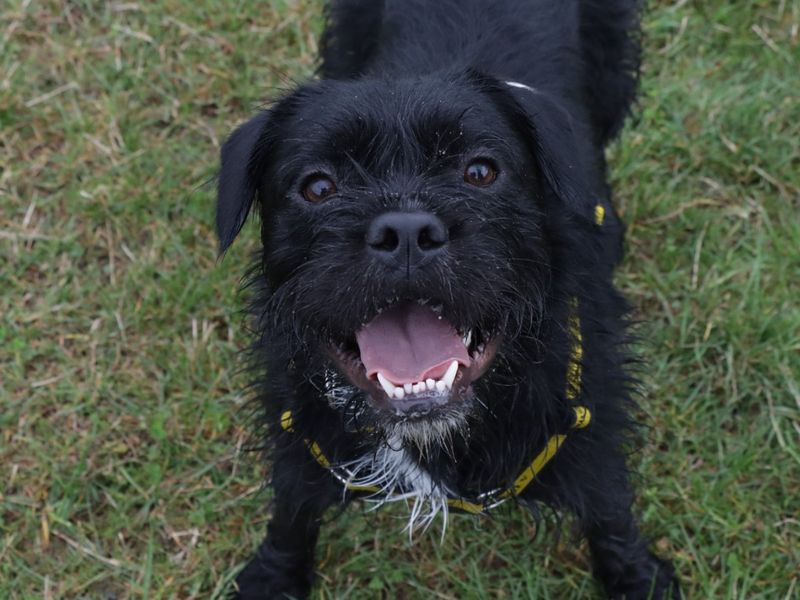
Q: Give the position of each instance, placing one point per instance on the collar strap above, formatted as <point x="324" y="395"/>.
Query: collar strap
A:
<point x="486" y="501"/>
<point x="522" y="86"/>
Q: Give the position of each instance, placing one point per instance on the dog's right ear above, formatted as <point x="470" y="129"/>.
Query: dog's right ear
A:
<point x="238" y="177"/>
<point x="551" y="134"/>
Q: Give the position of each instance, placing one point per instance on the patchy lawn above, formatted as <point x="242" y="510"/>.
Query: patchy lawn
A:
<point x="121" y="471"/>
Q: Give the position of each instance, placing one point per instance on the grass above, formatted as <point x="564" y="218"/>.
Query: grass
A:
<point x="121" y="474"/>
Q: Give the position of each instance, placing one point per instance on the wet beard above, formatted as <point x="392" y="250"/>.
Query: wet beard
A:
<point x="424" y="433"/>
<point x="392" y="462"/>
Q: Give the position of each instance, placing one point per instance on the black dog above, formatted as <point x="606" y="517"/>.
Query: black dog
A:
<point x="434" y="299"/>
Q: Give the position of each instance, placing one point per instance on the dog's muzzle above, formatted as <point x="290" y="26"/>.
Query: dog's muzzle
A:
<point x="411" y="360"/>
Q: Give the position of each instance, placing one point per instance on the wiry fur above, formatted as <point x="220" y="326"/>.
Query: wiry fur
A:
<point x="410" y="90"/>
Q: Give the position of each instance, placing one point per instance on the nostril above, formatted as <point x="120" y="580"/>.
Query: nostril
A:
<point x="430" y="239"/>
<point x="385" y="240"/>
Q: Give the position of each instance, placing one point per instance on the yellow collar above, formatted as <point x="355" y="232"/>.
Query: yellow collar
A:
<point x="485" y="501"/>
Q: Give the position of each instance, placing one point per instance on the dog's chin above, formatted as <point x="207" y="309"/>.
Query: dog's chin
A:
<point x="434" y="428"/>
<point x="415" y="370"/>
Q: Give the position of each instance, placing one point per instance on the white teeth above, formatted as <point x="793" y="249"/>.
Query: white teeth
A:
<point x="386" y="385"/>
<point x="450" y="375"/>
<point x="468" y="338"/>
<point x="407" y="389"/>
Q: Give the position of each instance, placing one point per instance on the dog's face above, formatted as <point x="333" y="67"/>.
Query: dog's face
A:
<point x="404" y="227"/>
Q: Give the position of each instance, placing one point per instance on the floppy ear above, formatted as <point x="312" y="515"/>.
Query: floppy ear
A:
<point x="555" y="139"/>
<point x="237" y="182"/>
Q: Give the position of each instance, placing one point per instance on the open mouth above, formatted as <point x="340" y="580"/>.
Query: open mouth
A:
<point x="411" y="360"/>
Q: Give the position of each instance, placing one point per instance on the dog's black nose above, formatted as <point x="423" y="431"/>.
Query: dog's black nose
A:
<point x="404" y="239"/>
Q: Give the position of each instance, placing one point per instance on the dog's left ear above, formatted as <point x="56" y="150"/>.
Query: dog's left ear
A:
<point x="238" y="178"/>
<point x="554" y="139"/>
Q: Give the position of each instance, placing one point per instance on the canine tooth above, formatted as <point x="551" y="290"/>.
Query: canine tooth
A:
<point x="408" y="387"/>
<point x="430" y="384"/>
<point x="440" y="386"/>
<point x="450" y="375"/>
<point x="399" y="393"/>
<point x="387" y="385"/>
<point x="468" y="338"/>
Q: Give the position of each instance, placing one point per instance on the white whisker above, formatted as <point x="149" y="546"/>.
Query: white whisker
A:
<point x="399" y="478"/>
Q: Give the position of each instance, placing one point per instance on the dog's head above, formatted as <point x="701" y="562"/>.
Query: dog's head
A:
<point x="406" y="248"/>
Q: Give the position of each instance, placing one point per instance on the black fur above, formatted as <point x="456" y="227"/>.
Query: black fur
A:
<point x="410" y="91"/>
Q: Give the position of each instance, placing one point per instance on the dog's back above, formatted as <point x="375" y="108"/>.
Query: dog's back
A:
<point x="588" y="51"/>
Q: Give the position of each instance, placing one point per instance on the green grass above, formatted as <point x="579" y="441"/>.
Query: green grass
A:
<point x="121" y="474"/>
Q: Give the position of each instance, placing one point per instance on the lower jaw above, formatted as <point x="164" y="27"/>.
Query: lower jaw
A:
<point x="416" y="416"/>
<point x="415" y="409"/>
<point x="425" y="429"/>
<point x="411" y="421"/>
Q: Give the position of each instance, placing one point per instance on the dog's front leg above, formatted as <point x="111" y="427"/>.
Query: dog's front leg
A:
<point x="624" y="565"/>
<point x="283" y="566"/>
<point x="622" y="561"/>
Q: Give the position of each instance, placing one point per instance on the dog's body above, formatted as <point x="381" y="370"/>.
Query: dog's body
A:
<point x="445" y="179"/>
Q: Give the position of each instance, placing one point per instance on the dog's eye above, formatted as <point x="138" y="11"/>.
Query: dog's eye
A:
<point x="480" y="172"/>
<point x="317" y="188"/>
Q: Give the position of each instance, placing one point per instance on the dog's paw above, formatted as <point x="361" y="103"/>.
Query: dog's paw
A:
<point x="648" y="579"/>
<point x="267" y="590"/>
<point x="268" y="580"/>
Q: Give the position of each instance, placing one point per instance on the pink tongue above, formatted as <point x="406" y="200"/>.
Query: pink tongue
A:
<point x="410" y="343"/>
